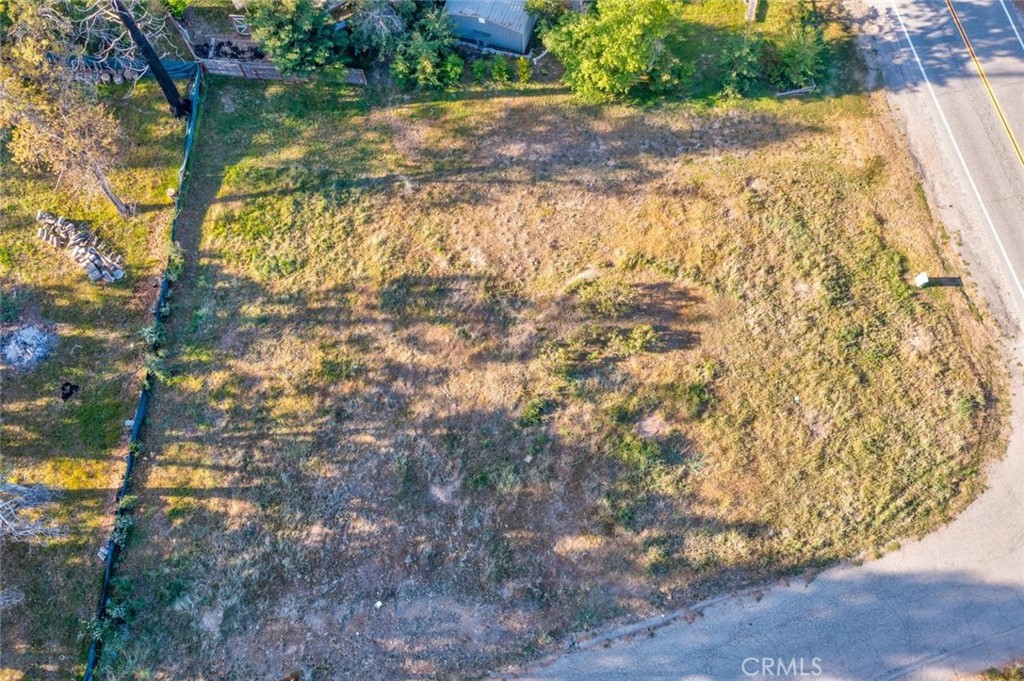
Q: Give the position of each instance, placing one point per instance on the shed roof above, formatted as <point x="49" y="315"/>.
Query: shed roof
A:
<point x="508" y="13"/>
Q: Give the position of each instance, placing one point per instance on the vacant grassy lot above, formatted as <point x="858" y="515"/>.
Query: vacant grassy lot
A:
<point x="452" y="379"/>
<point x="77" y="446"/>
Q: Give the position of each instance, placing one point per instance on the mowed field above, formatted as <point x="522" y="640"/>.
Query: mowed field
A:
<point x="76" y="447"/>
<point x="450" y="380"/>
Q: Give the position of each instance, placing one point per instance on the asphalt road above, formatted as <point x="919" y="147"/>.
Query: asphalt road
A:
<point x="952" y="603"/>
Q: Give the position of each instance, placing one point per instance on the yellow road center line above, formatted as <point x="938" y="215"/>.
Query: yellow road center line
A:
<point x="984" y="80"/>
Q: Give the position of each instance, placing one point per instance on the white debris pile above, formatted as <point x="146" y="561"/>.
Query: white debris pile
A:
<point x="27" y="346"/>
<point x="81" y="246"/>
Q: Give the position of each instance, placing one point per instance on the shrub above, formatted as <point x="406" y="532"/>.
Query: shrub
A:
<point x="603" y="298"/>
<point x="299" y="37"/>
<point x="641" y="339"/>
<point x="638" y="454"/>
<point x="741" y="65"/>
<point x="524" y="70"/>
<point x="122" y="526"/>
<point x="175" y="262"/>
<point x="535" y="411"/>
<point x="481" y="71"/>
<point x="500" y="72"/>
<point x="799" y="58"/>
<point x="967" y="407"/>
<point x="696" y="399"/>
<point x="129" y="502"/>
<point x="451" y="70"/>
<point x="153" y="334"/>
<point x="155" y="368"/>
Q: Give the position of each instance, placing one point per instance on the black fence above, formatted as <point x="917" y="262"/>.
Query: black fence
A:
<point x="134" y="441"/>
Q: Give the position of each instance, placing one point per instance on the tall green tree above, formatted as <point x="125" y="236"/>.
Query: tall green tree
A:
<point x="616" y="46"/>
<point x="548" y="13"/>
<point x="426" y="58"/>
<point x="299" y="37"/>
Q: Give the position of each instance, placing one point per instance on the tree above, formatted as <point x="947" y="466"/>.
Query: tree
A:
<point x="424" y="59"/>
<point x="617" y="45"/>
<point x="548" y="13"/>
<point x="180" y="107"/>
<point x="56" y="123"/>
<point x="299" y="37"/>
<point x="378" y="26"/>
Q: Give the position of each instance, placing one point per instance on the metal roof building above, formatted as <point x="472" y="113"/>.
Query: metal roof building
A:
<point x="502" y="24"/>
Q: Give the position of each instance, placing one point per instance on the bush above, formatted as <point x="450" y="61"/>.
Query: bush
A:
<point x="481" y="71"/>
<point x="175" y="262"/>
<point x="697" y="399"/>
<point x="451" y="70"/>
<point x="638" y="454"/>
<point x="299" y="37"/>
<point x="741" y="65"/>
<point x="535" y="410"/>
<point x="122" y="526"/>
<point x="153" y="334"/>
<point x="500" y="72"/>
<point x="641" y="339"/>
<point x="524" y="70"/>
<point x="799" y="58"/>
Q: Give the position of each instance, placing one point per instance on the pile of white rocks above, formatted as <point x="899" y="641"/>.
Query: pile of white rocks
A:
<point x="81" y="246"/>
<point x="26" y="347"/>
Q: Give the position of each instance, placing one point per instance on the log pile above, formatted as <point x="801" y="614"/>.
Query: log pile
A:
<point x="81" y="246"/>
<point x="98" y="73"/>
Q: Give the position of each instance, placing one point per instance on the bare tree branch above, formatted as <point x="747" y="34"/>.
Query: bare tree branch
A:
<point x="14" y="501"/>
<point x="95" y="29"/>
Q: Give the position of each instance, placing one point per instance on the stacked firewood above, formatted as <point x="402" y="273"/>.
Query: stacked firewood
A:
<point x="81" y="246"/>
<point x="101" y="73"/>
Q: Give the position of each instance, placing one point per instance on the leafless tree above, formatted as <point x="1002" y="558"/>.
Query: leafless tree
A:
<point x="56" y="122"/>
<point x="95" y="28"/>
<point x="378" y="25"/>
<point x="16" y="525"/>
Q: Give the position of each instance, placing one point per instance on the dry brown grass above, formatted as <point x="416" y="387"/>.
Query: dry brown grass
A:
<point x="512" y="367"/>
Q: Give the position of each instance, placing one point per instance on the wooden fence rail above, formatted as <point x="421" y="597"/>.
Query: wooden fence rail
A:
<point x="264" y="70"/>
